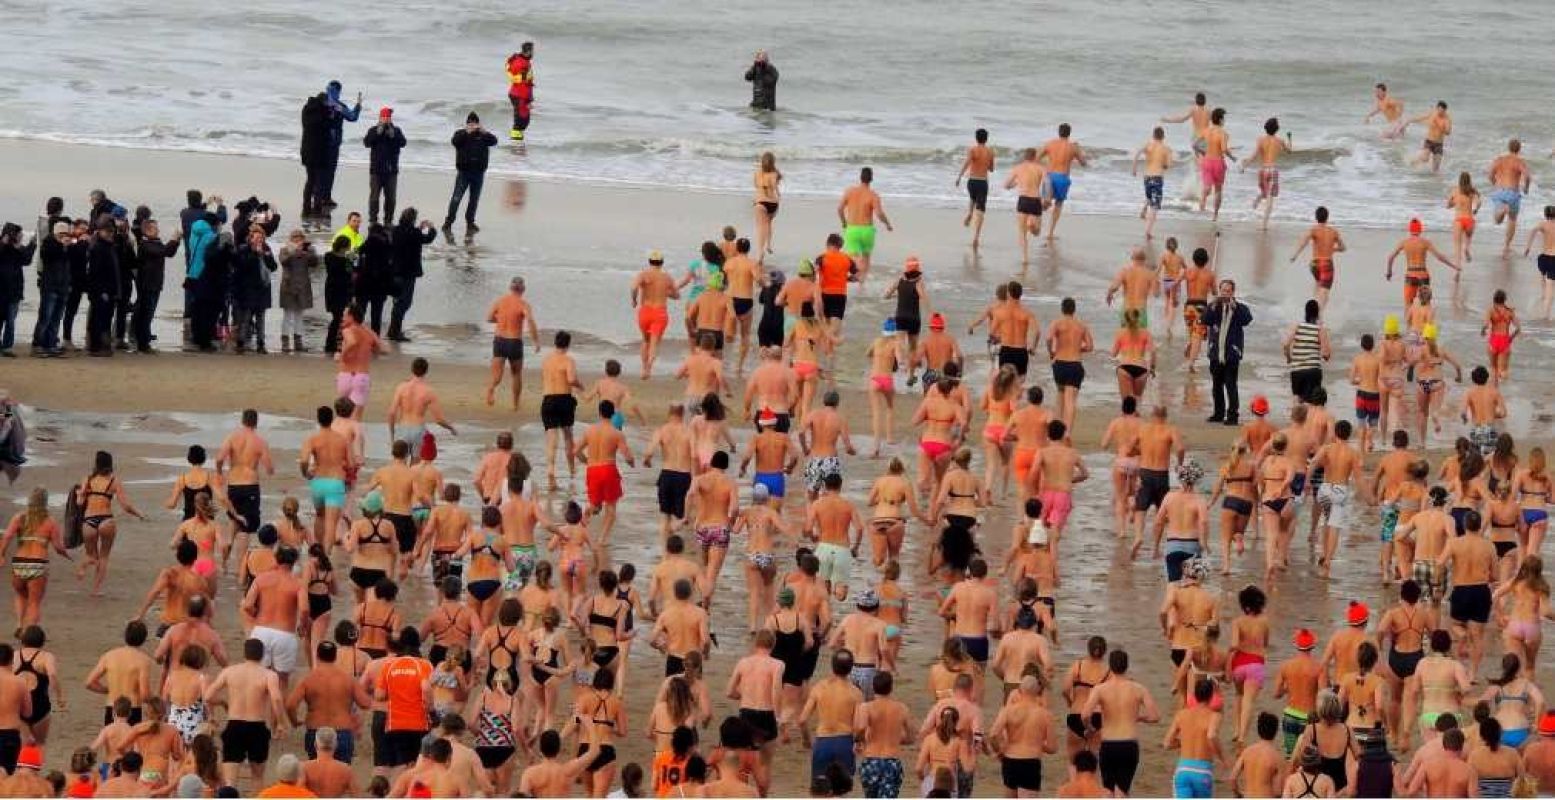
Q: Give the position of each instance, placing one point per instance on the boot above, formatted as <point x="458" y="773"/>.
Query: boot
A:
<point x="297" y="344"/>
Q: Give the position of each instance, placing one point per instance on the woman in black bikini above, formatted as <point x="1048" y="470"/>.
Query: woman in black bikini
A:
<point x="1236" y="506"/>
<point x="1276" y="509"/>
<point x="1135" y="353"/>
<point x="768" y="195"/>
<point x="197" y="481"/>
<point x="377" y="619"/>
<point x="318" y="575"/>
<point x="602" y="708"/>
<point x="606" y="621"/>
<point x="549" y="657"/>
<point x="372" y="546"/>
<point x="96" y="495"/>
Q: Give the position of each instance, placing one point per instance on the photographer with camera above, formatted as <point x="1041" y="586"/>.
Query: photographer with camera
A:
<point x="763" y="78"/>
<point x="53" y="289"/>
<point x="149" y="280"/>
<point x="15" y="255"/>
<point x="298" y="260"/>
<point x="384" y="142"/>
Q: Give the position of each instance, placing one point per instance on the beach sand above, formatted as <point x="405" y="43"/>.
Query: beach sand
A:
<point x="577" y="247"/>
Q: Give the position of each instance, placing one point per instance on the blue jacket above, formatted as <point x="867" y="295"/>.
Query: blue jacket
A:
<point x="1213" y="317"/>
<point x="201" y="237"/>
<point x="339" y="115"/>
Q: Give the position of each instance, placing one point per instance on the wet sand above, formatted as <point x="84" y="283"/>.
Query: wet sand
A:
<point x="565" y="239"/>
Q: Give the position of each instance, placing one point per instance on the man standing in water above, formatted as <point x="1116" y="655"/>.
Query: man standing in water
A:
<point x="339" y="115"/>
<point x="763" y="78"/>
<point x="1438" y="126"/>
<point x="1509" y="173"/>
<point x="859" y="208"/>
<point x="975" y="168"/>
<point x="1060" y="155"/>
<point x="472" y="152"/>
<point x="1032" y="188"/>
<point x="521" y="88"/>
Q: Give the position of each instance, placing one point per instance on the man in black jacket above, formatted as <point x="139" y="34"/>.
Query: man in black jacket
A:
<point x="148" y="283"/>
<point x="53" y="289"/>
<point x="1225" y="319"/>
<point x="409" y="237"/>
<point x="472" y="152"/>
<point x="252" y="266"/>
<point x="102" y="289"/>
<point x="384" y="142"/>
<point x="15" y="255"/>
<point x="316" y="131"/>
<point x="129" y="267"/>
<point x="763" y="79"/>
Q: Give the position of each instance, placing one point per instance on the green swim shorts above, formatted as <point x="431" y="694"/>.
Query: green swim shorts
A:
<point x="858" y="240"/>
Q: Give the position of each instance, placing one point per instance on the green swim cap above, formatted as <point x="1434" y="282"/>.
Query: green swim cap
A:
<point x="372" y="503"/>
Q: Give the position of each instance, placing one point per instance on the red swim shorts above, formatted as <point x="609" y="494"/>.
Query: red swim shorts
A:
<point x="604" y="484"/>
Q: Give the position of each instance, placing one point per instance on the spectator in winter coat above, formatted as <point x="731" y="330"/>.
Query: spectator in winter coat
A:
<point x="409" y="238"/>
<point x="384" y="142"/>
<point x="149" y="281"/>
<point x="298" y="260"/>
<point x="251" y="289"/>
<point x="15" y="255"/>
<point x="53" y="289"/>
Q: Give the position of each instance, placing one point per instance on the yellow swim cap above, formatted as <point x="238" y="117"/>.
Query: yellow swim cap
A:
<point x="1390" y="325"/>
<point x="1430" y="331"/>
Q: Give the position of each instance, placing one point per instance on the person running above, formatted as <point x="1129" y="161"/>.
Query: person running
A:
<point x="1392" y="111"/>
<point x="1546" y="259"/>
<point x="1438" y="126"/>
<point x="1325" y="241"/>
<point x="1267" y="152"/>
<point x="1500" y="330"/>
<point x="1060" y="155"/>
<point x="511" y="315"/>
<point x="1212" y="165"/>
<point x="652" y="290"/>
<point x="1158" y="159"/>
<point x="975" y="167"/>
<point x="1068" y="340"/>
<point x="1034" y="192"/>
<point x="857" y="211"/>
<point x="1464" y="200"/>
<point x="598" y="448"/>
<point x="768" y="182"/>
<point x="1415" y="248"/>
<point x="558" y="405"/>
<point x="325" y="460"/>
<point x="35" y="533"/>
<point x="96" y="495"/>
<point x="1122" y="704"/>
<point x="1511" y="178"/>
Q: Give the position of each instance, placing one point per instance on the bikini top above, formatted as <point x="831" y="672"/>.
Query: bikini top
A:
<point x="488" y="548"/>
<point x="1501" y="696"/>
<point x="603" y="699"/>
<point x="1081" y="683"/>
<point x="374" y="537"/>
<point x="321" y="580"/>
<point x="451" y="621"/>
<point x="88" y="491"/>
<point x="383" y="626"/>
<point x="599" y="620"/>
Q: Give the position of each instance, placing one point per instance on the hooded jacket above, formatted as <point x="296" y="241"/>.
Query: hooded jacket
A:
<point x="14" y="259"/>
<point x="153" y="270"/>
<point x="315" y="131"/>
<point x="54" y="266"/>
<point x="251" y="277"/>
<point x="201" y="237"/>
<point x="339" y="115"/>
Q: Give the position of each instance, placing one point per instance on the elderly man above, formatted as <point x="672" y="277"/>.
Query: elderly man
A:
<point x="288" y="779"/>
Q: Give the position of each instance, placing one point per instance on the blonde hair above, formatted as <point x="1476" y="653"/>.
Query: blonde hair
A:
<point x="37" y="509"/>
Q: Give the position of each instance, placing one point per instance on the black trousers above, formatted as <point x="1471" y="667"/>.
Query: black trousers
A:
<point x="332" y="336"/>
<point x="384" y="185"/>
<point x="313" y="189"/>
<point x="145" y="311"/>
<point x="1223" y="378"/>
<point x="99" y="323"/>
<point x="123" y="306"/>
<point x="374" y="307"/>
<point x="72" y="307"/>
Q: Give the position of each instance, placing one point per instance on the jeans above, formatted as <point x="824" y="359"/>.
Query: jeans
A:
<point x="1223" y="379"/>
<point x="250" y="323"/>
<point x="385" y="185"/>
<point x="402" y="301"/>
<point x="8" y="309"/>
<point x="51" y="312"/>
<point x="145" y="311"/>
<point x="72" y="306"/>
<point x="99" y="323"/>
<point x="465" y="180"/>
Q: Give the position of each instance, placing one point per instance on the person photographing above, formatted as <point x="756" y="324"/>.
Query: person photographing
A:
<point x="763" y="78"/>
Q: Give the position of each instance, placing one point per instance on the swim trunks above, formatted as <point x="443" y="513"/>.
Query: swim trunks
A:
<point x="836" y="563"/>
<point x="716" y="336"/>
<point x="1269" y="182"/>
<point x="773" y="481"/>
<point x="1153" y="487"/>
<point x="1212" y="171"/>
<point x="1547" y="266"/>
<point x="817" y="469"/>
<point x="743" y="306"/>
<point x="1484" y="437"/>
<point x="1470" y="603"/>
<point x="328" y="492"/>
<point x="1017" y="357"/>
<point x="354" y="385"/>
<point x="1029" y="205"/>
<point x="652" y="320"/>
<point x="1334" y="500"/>
<point x="977" y="190"/>
<point x="604" y="484"/>
<point x="672" y="488"/>
<point x="1056" y="506"/>
<point x="509" y="350"/>
<point x="1510" y="199"/>
<point x="245" y="506"/>
<point x="711" y="536"/>
<point x="1060" y="185"/>
<point x="1434" y="148"/>
<point x="1323" y="272"/>
<point x="858" y="240"/>
<point x="834" y="306"/>
<point x="281" y="648"/>
<point x="558" y="411"/>
<point x="1068" y="373"/>
<point x="1500" y="344"/>
<point x="1368" y="408"/>
<point x="1431" y="577"/>
<point x="1155" y="189"/>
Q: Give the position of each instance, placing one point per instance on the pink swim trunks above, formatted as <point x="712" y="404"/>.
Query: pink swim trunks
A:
<point x="1056" y="506"/>
<point x="353" y="385"/>
<point x="1212" y="171"/>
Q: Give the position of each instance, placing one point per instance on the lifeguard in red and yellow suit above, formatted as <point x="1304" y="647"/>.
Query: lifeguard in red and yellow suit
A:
<point x="521" y="88"/>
